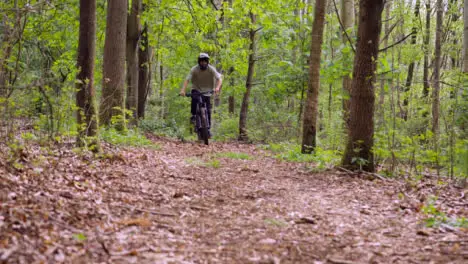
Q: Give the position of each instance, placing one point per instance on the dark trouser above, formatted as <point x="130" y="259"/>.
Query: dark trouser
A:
<point x="206" y="100"/>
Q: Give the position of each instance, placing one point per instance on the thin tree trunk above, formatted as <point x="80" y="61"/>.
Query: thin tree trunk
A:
<point x="437" y="65"/>
<point x="383" y="80"/>
<point x="426" y="84"/>
<point x="347" y="18"/>
<point x="309" y="129"/>
<point x="243" y="136"/>
<point x="7" y="43"/>
<point x="455" y="17"/>
<point x="409" y="77"/>
<point x="465" y="71"/>
<point x="231" y="104"/>
<point x="113" y="84"/>
<point x="133" y="32"/>
<point x="161" y="88"/>
<point x="85" y="97"/>
<point x="144" y="80"/>
<point x="436" y="86"/>
<point x="465" y="38"/>
<point x="358" y="153"/>
<point x="232" y="99"/>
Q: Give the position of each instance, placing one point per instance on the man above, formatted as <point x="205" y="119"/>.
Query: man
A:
<point x="204" y="78"/>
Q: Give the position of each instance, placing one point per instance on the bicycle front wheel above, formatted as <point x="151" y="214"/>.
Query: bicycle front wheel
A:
<point x="204" y="125"/>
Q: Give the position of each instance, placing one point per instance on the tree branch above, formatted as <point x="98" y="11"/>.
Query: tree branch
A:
<point x="396" y="43"/>
<point x="342" y="28"/>
<point x="390" y="30"/>
<point x="214" y="5"/>
<point x="258" y="29"/>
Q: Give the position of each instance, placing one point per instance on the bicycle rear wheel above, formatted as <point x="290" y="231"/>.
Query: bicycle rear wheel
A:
<point x="204" y="135"/>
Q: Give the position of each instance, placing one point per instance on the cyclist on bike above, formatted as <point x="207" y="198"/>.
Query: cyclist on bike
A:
<point x="205" y="79"/>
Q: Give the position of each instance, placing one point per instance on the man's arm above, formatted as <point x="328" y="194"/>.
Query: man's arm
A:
<point x="186" y="82"/>
<point x="218" y="85"/>
<point x="182" y="91"/>
<point x="219" y="79"/>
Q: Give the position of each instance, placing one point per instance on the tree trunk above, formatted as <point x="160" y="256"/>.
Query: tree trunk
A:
<point x="248" y="84"/>
<point x="6" y="46"/>
<point x="231" y="104"/>
<point x="161" y="88"/>
<point x="309" y="129"/>
<point x="465" y="38"/>
<point x="426" y="84"/>
<point x="455" y="17"/>
<point x="85" y="97"/>
<point x="383" y="80"/>
<point x="144" y="80"/>
<point x="463" y="125"/>
<point x="307" y="4"/>
<point x="358" y="153"/>
<point x="409" y="77"/>
<point x="347" y="18"/>
<point x="133" y="32"/>
<point x="437" y="66"/>
<point x="113" y="84"/>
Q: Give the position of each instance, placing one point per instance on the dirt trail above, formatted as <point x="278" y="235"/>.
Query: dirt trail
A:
<point x="188" y="203"/>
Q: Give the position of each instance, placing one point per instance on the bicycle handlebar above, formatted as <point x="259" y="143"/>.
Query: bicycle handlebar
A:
<point x="201" y="93"/>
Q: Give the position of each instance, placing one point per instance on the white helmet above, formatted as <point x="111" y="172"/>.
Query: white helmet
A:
<point x="203" y="56"/>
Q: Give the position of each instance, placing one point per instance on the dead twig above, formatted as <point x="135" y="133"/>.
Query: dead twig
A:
<point x="345" y="170"/>
<point x="306" y="220"/>
<point x="375" y="175"/>
<point x="199" y="208"/>
<point x="340" y="261"/>
<point x="147" y="211"/>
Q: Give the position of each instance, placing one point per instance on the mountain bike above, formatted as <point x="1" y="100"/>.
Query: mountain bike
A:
<point x="201" y="122"/>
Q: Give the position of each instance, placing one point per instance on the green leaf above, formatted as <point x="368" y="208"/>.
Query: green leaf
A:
<point x="80" y="237"/>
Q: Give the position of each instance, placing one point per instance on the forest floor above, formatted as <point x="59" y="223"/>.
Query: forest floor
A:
<point x="223" y="203"/>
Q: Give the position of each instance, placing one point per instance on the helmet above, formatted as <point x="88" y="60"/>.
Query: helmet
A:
<point x="203" y="56"/>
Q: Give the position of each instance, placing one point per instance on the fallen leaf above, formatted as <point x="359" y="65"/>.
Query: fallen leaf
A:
<point x="143" y="222"/>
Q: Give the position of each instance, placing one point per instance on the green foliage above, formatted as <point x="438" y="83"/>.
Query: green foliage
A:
<point x="225" y="128"/>
<point x="292" y="152"/>
<point x="168" y="128"/>
<point x="359" y="161"/>
<point x="234" y="155"/>
<point x="461" y="152"/>
<point x="42" y="70"/>
<point x="213" y="163"/>
<point x="194" y="161"/>
<point x="295" y="155"/>
<point x="276" y="222"/>
<point x="435" y="217"/>
<point x="28" y="136"/>
<point x="131" y="137"/>
<point x="80" y="237"/>
<point x="15" y="154"/>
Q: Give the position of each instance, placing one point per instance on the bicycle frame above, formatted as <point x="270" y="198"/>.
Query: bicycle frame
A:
<point x="202" y="124"/>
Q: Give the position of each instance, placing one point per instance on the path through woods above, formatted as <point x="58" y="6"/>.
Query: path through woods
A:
<point x="188" y="203"/>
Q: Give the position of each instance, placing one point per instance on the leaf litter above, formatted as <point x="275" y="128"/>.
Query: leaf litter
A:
<point x="175" y="205"/>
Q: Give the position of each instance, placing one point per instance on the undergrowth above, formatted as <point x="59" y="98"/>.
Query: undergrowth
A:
<point x="435" y="217"/>
<point x="322" y="158"/>
<point x="131" y="137"/>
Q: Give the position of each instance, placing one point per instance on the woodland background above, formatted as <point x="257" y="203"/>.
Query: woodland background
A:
<point x="340" y="135"/>
<point x="265" y="51"/>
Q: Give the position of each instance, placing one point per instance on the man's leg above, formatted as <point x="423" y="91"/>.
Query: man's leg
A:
<point x="207" y="100"/>
<point x="193" y="107"/>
